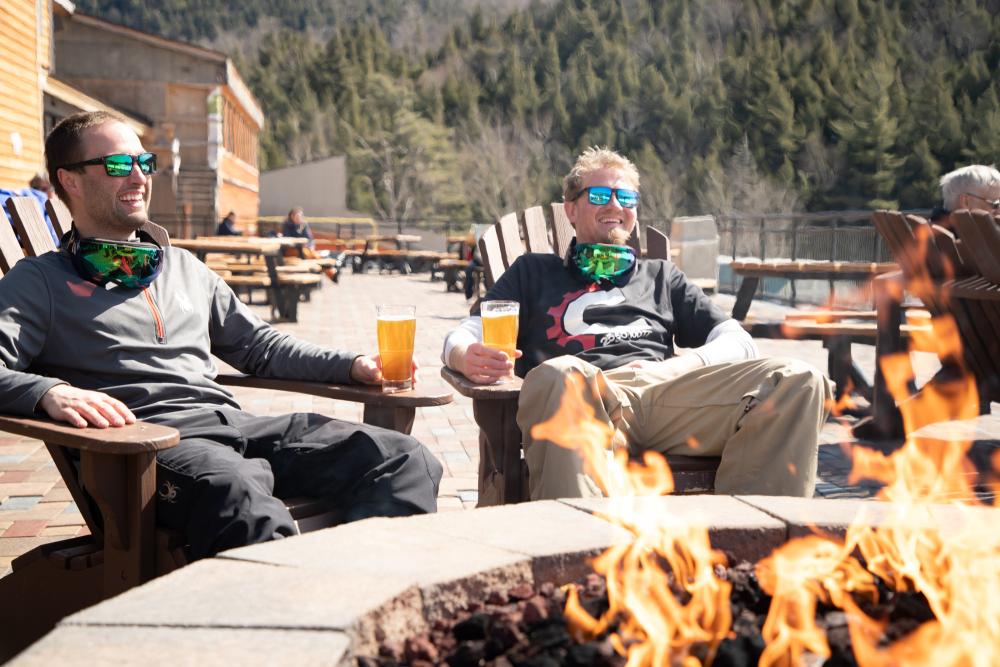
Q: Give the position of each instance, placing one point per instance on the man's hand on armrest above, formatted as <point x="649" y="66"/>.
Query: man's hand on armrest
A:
<point x="368" y="370"/>
<point x="82" y="407"/>
<point x="481" y="364"/>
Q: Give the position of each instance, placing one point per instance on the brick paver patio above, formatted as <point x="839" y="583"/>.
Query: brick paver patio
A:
<point x="36" y="507"/>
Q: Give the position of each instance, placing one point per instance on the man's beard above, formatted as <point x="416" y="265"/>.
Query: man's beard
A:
<point x="117" y="221"/>
<point x="618" y="236"/>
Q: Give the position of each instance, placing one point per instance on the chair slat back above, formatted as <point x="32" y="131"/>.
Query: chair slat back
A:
<point x="928" y="266"/>
<point x="10" y="249"/>
<point x="657" y="244"/>
<point x="562" y="230"/>
<point x="60" y="216"/>
<point x="892" y="227"/>
<point x="980" y="241"/>
<point x="510" y="239"/>
<point x="912" y="244"/>
<point x="536" y="231"/>
<point x="489" y="249"/>
<point x="30" y="225"/>
<point x="951" y="251"/>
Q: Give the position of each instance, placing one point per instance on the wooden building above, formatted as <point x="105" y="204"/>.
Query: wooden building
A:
<point x="200" y="111"/>
<point x="25" y="60"/>
<point x="33" y="98"/>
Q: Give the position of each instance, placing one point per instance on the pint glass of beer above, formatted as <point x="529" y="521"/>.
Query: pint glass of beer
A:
<point x="397" y="326"/>
<point x="500" y="325"/>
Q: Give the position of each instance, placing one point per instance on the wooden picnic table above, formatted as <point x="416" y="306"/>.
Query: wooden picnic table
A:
<point x="753" y="270"/>
<point x="397" y="257"/>
<point x="283" y="294"/>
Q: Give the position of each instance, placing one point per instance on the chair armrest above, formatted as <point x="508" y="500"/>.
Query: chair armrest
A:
<point x="370" y="395"/>
<point x="132" y="439"/>
<point x="470" y="389"/>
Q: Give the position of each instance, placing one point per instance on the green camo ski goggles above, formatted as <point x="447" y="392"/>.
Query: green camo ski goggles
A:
<point x="131" y="264"/>
<point x="120" y="164"/>
<point x="601" y="261"/>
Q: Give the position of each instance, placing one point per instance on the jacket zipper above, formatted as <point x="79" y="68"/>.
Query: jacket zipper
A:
<point x="161" y="335"/>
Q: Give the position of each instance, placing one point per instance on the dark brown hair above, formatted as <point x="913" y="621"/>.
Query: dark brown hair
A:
<point x="62" y="146"/>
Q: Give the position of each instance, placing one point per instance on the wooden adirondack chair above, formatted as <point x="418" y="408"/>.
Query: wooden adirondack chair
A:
<point x="978" y="298"/>
<point x="938" y="271"/>
<point x="503" y="475"/>
<point x="114" y="484"/>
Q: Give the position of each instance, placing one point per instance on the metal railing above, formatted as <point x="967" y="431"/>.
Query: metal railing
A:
<point x="847" y="236"/>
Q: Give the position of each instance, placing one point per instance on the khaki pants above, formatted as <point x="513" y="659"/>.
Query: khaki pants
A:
<point x="763" y="417"/>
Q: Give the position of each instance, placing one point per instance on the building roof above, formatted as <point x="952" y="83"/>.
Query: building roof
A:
<point x="235" y="82"/>
<point x="150" y="38"/>
<point x="66" y="93"/>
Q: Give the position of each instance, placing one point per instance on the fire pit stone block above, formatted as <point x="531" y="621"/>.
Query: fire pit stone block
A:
<point x="206" y="647"/>
<point x="739" y="530"/>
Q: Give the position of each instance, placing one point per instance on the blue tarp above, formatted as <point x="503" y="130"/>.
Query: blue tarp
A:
<point x="40" y="196"/>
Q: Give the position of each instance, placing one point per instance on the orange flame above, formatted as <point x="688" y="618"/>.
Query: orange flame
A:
<point x="958" y="574"/>
<point x="932" y="537"/>
<point x="655" y="627"/>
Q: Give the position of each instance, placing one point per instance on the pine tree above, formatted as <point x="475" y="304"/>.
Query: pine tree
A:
<point x="868" y="137"/>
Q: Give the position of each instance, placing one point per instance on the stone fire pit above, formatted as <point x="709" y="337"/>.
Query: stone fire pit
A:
<point x="323" y="597"/>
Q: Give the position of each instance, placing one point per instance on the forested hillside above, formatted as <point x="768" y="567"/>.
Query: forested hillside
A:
<point x="726" y="105"/>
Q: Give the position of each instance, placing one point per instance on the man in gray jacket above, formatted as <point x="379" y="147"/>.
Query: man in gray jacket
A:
<point x="118" y="325"/>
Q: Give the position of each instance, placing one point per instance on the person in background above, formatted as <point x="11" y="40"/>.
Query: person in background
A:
<point x="227" y="227"/>
<point x="39" y="188"/>
<point x="41" y="184"/>
<point x="972" y="187"/>
<point x="295" y="226"/>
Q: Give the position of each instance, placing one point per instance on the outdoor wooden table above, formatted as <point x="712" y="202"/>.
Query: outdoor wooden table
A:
<point x="753" y="270"/>
<point x="398" y="257"/>
<point x="283" y="297"/>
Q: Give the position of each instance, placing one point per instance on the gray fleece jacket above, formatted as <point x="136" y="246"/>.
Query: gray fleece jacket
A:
<point x="151" y="349"/>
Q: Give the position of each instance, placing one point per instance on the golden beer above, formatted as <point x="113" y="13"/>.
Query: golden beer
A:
<point x="397" y="327"/>
<point x="500" y="332"/>
<point x="500" y="322"/>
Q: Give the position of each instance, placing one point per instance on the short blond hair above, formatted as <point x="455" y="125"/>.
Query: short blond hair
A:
<point x="591" y="160"/>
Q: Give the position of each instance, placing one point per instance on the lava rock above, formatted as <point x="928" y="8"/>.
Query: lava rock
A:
<point x="474" y="627"/>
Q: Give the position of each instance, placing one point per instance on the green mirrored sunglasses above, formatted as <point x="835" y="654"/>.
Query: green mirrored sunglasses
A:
<point x="120" y="164"/>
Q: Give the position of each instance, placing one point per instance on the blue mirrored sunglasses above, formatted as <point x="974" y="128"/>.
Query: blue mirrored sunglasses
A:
<point x="599" y="195"/>
<point x="120" y="164"/>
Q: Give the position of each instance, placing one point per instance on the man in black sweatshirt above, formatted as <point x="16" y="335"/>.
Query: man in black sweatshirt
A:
<point x="613" y="320"/>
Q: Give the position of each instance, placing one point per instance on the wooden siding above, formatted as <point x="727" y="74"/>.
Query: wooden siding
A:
<point x="239" y="132"/>
<point x="23" y="61"/>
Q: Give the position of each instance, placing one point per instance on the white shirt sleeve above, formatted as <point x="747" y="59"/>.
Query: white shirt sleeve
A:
<point x="469" y="331"/>
<point x="727" y="341"/>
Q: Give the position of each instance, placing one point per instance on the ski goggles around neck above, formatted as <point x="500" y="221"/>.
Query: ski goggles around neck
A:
<point x="131" y="264"/>
<point x="602" y="261"/>
<point x="120" y="164"/>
